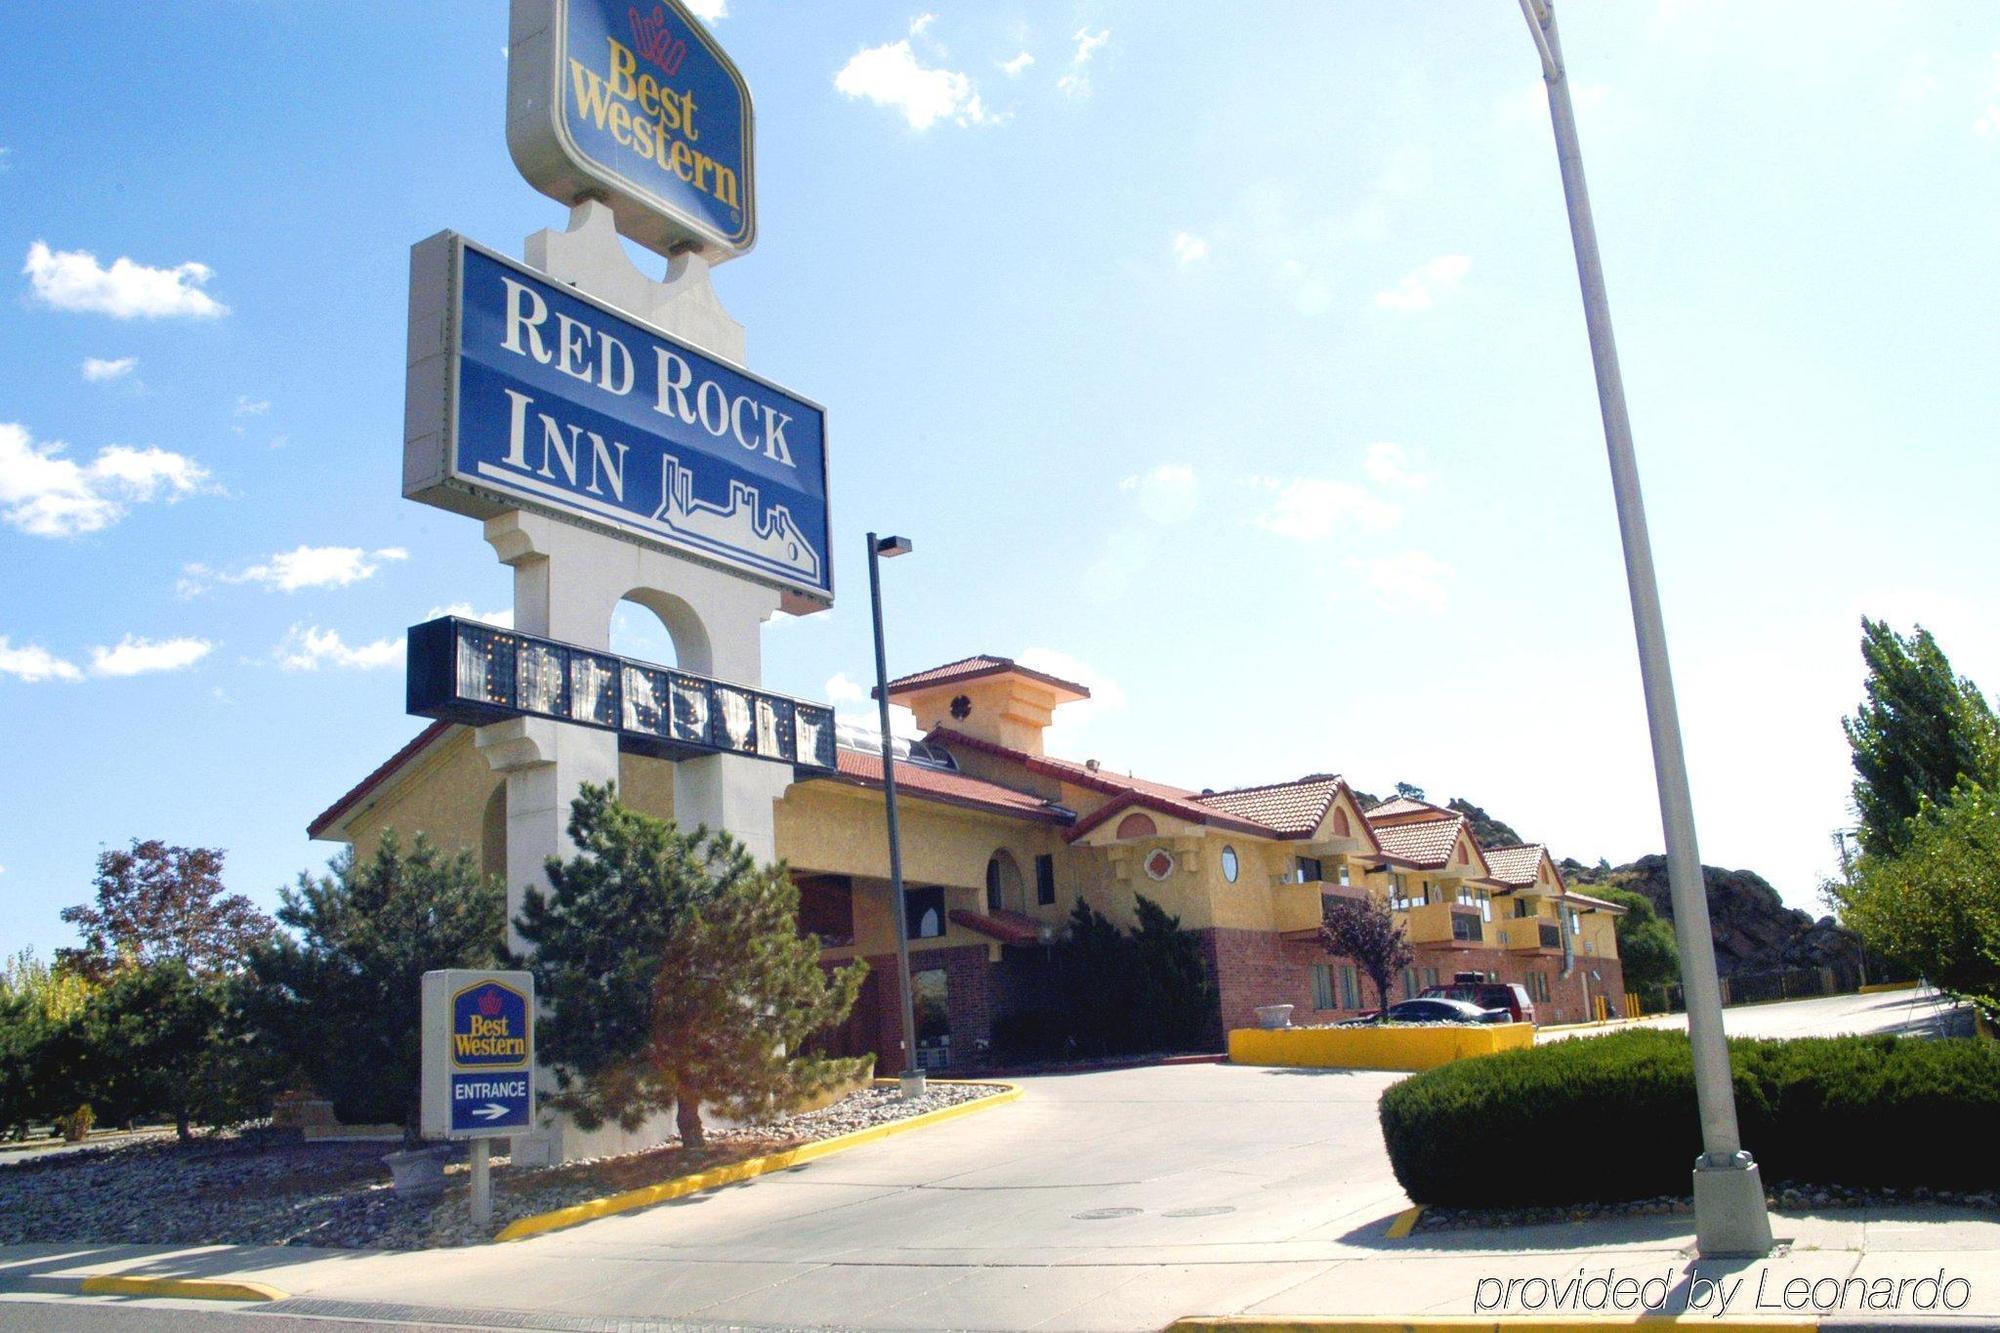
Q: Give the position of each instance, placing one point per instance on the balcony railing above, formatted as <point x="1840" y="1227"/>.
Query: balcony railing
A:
<point x="466" y="671"/>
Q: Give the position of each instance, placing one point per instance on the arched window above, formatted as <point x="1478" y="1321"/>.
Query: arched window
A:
<point x="1341" y="828"/>
<point x="1137" y="826"/>
<point x="1005" y="889"/>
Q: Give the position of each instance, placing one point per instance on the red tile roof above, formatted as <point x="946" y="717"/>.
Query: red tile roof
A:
<point x="1179" y="807"/>
<point x="1595" y="904"/>
<point x="1007" y="927"/>
<point x="1288" y="807"/>
<point x="1514" y="865"/>
<point x="933" y="784"/>
<point x="973" y="668"/>
<point x="1403" y="809"/>
<point x="387" y="769"/>
<point x="1427" y="843"/>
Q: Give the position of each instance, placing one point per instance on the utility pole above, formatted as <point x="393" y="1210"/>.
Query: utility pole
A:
<point x="1730" y="1217"/>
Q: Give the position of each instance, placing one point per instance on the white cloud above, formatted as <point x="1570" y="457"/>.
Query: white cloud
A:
<point x="137" y="657"/>
<point x="841" y="689"/>
<point x="1075" y="86"/>
<point x="31" y="663"/>
<point x="98" y="370"/>
<point x="1087" y="43"/>
<point x="74" y="280"/>
<point x="1413" y="576"/>
<point x="1391" y="466"/>
<point x="1988" y="124"/>
<point x="1308" y="508"/>
<point x="503" y="618"/>
<point x="1017" y="64"/>
<point x="46" y="494"/>
<point x="246" y="406"/>
<point x="1188" y="247"/>
<point x="891" y="75"/>
<point x="708" y="11"/>
<point x="308" y="648"/>
<point x="920" y="23"/>
<point x="1426" y="285"/>
<point x="303" y="567"/>
<point x="1076" y="83"/>
<point x="1167" y="493"/>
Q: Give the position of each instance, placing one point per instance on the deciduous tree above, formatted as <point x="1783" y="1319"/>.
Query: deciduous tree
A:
<point x="158" y="902"/>
<point x="1646" y="947"/>
<point x="1364" y="930"/>
<point x="673" y="974"/>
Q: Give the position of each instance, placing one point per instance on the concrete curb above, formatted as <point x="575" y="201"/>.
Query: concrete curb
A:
<point x="183" y="1288"/>
<point x="1472" y="1323"/>
<point x="1884" y="987"/>
<point x="1593" y="1024"/>
<point x="1405" y="1222"/>
<point x="749" y="1168"/>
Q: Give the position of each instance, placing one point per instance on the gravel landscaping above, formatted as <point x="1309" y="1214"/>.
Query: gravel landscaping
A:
<point x="1793" y="1199"/>
<point x="261" y="1187"/>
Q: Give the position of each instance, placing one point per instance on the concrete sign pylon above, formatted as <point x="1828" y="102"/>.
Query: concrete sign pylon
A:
<point x="568" y="582"/>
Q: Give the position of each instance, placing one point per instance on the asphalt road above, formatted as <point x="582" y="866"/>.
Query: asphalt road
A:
<point x="1118" y="1199"/>
<point x="1921" y="1011"/>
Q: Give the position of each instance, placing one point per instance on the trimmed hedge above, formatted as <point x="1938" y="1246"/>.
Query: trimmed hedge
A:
<point x="1603" y="1119"/>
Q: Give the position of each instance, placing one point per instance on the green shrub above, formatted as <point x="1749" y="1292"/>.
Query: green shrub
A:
<point x="76" y="1126"/>
<point x="1613" y="1117"/>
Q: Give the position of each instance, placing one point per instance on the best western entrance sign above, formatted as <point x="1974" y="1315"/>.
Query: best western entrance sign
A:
<point x="631" y="101"/>
<point x="479" y="1053"/>
<point x="522" y="393"/>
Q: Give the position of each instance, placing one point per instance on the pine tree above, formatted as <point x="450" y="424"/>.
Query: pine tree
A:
<point x="342" y="999"/>
<point x="1918" y="732"/>
<point x="672" y="974"/>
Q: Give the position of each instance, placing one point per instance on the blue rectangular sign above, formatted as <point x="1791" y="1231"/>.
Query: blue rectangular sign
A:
<point x="632" y="101"/>
<point x="551" y="400"/>
<point x="483" y="1103"/>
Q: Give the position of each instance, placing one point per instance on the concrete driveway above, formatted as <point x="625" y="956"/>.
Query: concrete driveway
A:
<point x="1921" y="1012"/>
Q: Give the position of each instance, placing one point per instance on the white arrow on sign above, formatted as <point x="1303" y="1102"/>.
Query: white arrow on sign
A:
<point x="490" y="1111"/>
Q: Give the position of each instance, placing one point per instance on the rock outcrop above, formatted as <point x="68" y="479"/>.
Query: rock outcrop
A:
<point x="1754" y="930"/>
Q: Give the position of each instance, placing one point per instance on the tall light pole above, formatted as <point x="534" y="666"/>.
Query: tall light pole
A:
<point x="880" y="549"/>
<point x="1728" y="1190"/>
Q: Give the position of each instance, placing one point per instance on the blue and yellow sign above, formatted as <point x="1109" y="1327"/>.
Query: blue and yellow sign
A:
<point x="632" y="101"/>
<point x="479" y="1053"/>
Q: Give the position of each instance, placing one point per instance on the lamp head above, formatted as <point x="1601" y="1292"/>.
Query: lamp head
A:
<point x="890" y="547"/>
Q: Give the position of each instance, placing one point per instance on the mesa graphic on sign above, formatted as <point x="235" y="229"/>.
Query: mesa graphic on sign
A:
<point x="522" y="393"/>
<point x="633" y="102"/>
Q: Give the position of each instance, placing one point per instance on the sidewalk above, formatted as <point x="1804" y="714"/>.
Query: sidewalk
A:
<point x="1541" y="1274"/>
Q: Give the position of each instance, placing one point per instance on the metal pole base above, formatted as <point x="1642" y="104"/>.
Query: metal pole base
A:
<point x="1729" y="1216"/>
<point x="913" y="1083"/>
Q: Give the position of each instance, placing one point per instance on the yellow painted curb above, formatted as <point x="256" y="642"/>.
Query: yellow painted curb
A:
<point x="1393" y="1047"/>
<point x="1879" y="987"/>
<point x="1473" y="1323"/>
<point x="1405" y="1223"/>
<point x="747" y="1169"/>
<point x="186" y="1288"/>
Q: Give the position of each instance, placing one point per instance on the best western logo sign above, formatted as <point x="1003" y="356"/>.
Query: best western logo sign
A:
<point x="636" y="104"/>
<point x="489" y="1027"/>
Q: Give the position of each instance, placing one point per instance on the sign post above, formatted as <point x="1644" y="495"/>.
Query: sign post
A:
<point x="478" y="1064"/>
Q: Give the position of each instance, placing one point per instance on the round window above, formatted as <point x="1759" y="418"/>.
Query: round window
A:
<point x="1229" y="865"/>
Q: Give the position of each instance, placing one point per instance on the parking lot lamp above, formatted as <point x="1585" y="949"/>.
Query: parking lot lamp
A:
<point x="880" y="549"/>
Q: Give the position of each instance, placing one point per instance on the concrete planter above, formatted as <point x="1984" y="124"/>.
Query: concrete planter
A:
<point x="1274" y="1015"/>
<point x="1387" y="1046"/>
<point x="417" y="1172"/>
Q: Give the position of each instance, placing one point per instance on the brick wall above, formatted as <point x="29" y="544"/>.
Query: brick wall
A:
<point x="1258" y="967"/>
<point x="877" y="1021"/>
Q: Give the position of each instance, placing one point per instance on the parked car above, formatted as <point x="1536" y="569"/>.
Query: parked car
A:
<point x="1432" y="1010"/>
<point x="1509" y="995"/>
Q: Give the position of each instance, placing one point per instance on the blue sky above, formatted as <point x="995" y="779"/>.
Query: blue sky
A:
<point x="1235" y="367"/>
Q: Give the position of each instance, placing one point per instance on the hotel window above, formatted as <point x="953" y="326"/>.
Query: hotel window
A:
<point x="1523" y="907"/>
<point x="1430" y="977"/>
<point x="1045" y="879"/>
<point x="1409" y="983"/>
<point x="993" y="885"/>
<point x="1399" y="893"/>
<point x="1346" y="878"/>
<point x="1307" y="870"/>
<point x="1230" y="865"/>
<point x="1538" y="987"/>
<point x="1465" y="927"/>
<point x="923" y="912"/>
<point x="1350" y="987"/>
<point x="1322" y="986"/>
<point x="1485" y="905"/>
